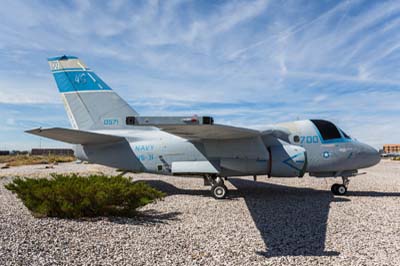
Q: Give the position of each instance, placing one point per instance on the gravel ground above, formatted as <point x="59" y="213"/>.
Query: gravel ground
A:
<point x="270" y="222"/>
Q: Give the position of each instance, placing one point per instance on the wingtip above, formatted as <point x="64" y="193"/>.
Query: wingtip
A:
<point x="31" y="131"/>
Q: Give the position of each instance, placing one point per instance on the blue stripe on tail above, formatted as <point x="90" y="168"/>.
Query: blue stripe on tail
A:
<point x="75" y="81"/>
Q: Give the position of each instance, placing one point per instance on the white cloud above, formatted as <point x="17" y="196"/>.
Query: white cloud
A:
<point x="335" y="60"/>
<point x="27" y="92"/>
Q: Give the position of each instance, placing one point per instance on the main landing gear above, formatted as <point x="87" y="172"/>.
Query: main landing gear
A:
<point x="218" y="188"/>
<point x="341" y="189"/>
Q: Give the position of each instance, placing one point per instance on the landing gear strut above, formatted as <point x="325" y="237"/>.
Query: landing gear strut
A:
<point x="218" y="188"/>
<point x="341" y="189"/>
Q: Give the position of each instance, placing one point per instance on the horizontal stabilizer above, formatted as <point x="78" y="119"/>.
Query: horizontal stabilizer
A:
<point x="74" y="136"/>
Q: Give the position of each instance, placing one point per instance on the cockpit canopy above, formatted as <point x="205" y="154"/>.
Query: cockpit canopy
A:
<point x="328" y="130"/>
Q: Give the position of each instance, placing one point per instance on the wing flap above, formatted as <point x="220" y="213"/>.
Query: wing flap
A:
<point x="74" y="136"/>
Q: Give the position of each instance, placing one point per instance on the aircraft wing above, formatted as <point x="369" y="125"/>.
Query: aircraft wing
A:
<point x="74" y="136"/>
<point x="209" y="131"/>
<point x="217" y="131"/>
<point x="191" y="132"/>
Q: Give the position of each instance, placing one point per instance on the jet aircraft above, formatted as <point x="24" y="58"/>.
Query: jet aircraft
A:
<point x="108" y="131"/>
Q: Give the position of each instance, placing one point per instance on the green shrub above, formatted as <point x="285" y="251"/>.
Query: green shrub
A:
<point x="73" y="196"/>
<point x="18" y="160"/>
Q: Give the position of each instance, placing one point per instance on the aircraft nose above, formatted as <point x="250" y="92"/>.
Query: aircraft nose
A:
<point x="368" y="155"/>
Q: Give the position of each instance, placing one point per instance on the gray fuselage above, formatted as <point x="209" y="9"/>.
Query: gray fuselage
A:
<point x="148" y="149"/>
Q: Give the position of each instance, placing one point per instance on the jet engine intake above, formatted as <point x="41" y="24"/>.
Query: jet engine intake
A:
<point x="287" y="161"/>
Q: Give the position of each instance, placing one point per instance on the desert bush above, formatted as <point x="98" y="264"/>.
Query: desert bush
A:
<point x="18" y="160"/>
<point x="73" y="196"/>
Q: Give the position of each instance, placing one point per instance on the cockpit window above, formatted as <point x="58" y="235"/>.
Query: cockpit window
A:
<point x="344" y="134"/>
<point x="327" y="129"/>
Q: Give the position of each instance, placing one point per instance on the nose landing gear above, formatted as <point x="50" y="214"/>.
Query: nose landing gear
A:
<point x="341" y="189"/>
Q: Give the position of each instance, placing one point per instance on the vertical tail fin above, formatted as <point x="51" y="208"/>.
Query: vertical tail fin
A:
<point x="90" y="103"/>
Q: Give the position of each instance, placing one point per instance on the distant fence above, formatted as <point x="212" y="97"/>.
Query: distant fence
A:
<point x="65" y="152"/>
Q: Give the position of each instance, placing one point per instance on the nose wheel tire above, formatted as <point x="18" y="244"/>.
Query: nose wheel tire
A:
<point x="219" y="191"/>
<point x="339" y="189"/>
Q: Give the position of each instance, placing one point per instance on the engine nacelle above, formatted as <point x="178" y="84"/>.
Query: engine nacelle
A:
<point x="287" y="161"/>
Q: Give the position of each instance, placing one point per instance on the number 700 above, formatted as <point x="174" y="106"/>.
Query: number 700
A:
<point x="309" y="139"/>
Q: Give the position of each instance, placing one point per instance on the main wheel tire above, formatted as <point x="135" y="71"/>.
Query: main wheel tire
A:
<point x="341" y="190"/>
<point x="219" y="191"/>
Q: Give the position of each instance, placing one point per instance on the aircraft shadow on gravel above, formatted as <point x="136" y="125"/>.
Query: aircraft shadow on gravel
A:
<point x="148" y="217"/>
<point x="291" y="221"/>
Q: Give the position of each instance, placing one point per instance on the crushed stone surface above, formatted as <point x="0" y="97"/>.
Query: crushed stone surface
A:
<point x="276" y="221"/>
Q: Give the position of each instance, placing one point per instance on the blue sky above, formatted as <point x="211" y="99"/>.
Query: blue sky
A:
<point x="247" y="63"/>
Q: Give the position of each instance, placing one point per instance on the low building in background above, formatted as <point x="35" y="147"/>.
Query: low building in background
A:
<point x="391" y="148"/>
<point x="64" y="152"/>
<point x="4" y="153"/>
<point x="17" y="152"/>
